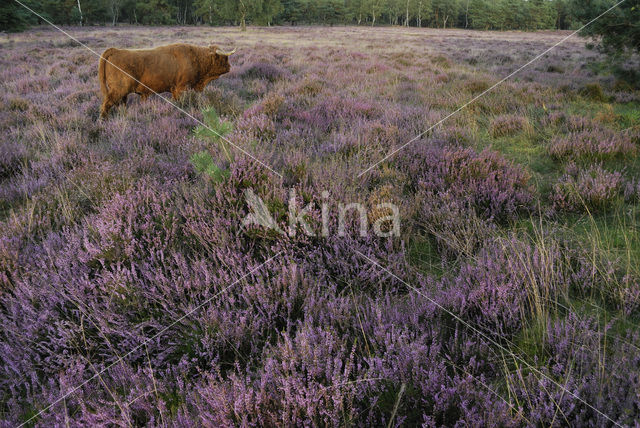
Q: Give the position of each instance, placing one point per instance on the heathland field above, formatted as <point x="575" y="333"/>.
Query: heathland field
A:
<point x="133" y="290"/>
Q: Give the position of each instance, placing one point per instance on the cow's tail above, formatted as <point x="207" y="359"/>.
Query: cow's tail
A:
<point x="101" y="70"/>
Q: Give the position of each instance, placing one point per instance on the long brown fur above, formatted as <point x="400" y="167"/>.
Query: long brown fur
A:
<point x="172" y="68"/>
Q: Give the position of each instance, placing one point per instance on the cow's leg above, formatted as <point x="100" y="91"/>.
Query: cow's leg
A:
<point x="106" y="106"/>
<point x="112" y="99"/>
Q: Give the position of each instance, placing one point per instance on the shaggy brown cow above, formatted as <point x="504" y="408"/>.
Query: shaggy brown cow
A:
<point x="172" y="68"/>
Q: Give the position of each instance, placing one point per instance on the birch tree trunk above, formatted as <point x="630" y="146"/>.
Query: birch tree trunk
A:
<point x="406" y="21"/>
<point x="373" y="13"/>
<point x="466" y="16"/>
<point x="80" y="10"/>
<point x="243" y="15"/>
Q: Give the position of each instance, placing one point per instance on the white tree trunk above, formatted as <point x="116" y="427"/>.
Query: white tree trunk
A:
<point x="406" y="22"/>
<point x="80" y="10"/>
<point x="373" y="14"/>
<point x="466" y="16"/>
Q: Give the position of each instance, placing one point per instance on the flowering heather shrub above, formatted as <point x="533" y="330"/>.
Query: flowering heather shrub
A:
<point x="486" y="181"/>
<point x="263" y="70"/>
<point x="598" y="145"/>
<point x="626" y="97"/>
<point x="569" y="123"/>
<point x="503" y="287"/>
<point x="632" y="190"/>
<point x="592" y="189"/>
<point x="579" y="123"/>
<point x="8" y="262"/>
<point x="260" y="126"/>
<point x="132" y="227"/>
<point x="457" y="229"/>
<point x="271" y="103"/>
<point x="592" y="363"/>
<point x="333" y="112"/>
<point x="12" y="156"/>
<point x="508" y="125"/>
<point x="554" y="118"/>
<point x="304" y="378"/>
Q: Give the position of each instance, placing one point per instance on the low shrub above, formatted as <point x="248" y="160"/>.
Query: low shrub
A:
<point x="456" y="228"/>
<point x="476" y="86"/>
<point x="494" y="187"/>
<point x="632" y="190"/>
<point x="502" y="286"/>
<point x="574" y="348"/>
<point x="12" y="156"/>
<point x="263" y="70"/>
<point x="554" y="68"/>
<point x="508" y="125"/>
<point x="592" y="189"/>
<point x="594" y="92"/>
<point x="593" y="145"/>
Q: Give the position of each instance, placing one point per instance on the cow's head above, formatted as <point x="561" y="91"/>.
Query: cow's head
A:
<point x="220" y="60"/>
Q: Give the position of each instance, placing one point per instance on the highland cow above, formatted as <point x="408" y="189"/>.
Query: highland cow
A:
<point x="172" y="68"/>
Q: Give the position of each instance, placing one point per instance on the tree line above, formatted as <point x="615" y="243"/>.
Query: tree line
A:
<point x="474" y="14"/>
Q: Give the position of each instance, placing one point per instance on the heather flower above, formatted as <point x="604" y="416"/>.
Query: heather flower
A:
<point x="332" y="112"/>
<point x="260" y="126"/>
<point x="303" y="379"/>
<point x="12" y="156"/>
<point x="8" y="261"/>
<point x="263" y="70"/>
<point x="632" y="190"/>
<point x="508" y="125"/>
<point x="591" y="144"/>
<point x="592" y="189"/>
<point x="574" y="348"/>
<point x="500" y="290"/>
<point x="579" y="124"/>
<point x="486" y="181"/>
<point x="456" y="228"/>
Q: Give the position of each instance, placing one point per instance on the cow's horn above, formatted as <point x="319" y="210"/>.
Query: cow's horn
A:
<point x="219" y="52"/>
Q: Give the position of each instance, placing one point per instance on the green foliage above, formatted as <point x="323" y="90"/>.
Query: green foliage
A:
<point x="512" y="14"/>
<point x="594" y="92"/>
<point x="617" y="32"/>
<point x="155" y="12"/>
<point x="479" y="14"/>
<point x="14" y="17"/>
<point x="215" y="130"/>
<point x="204" y="164"/>
<point x="618" y="28"/>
